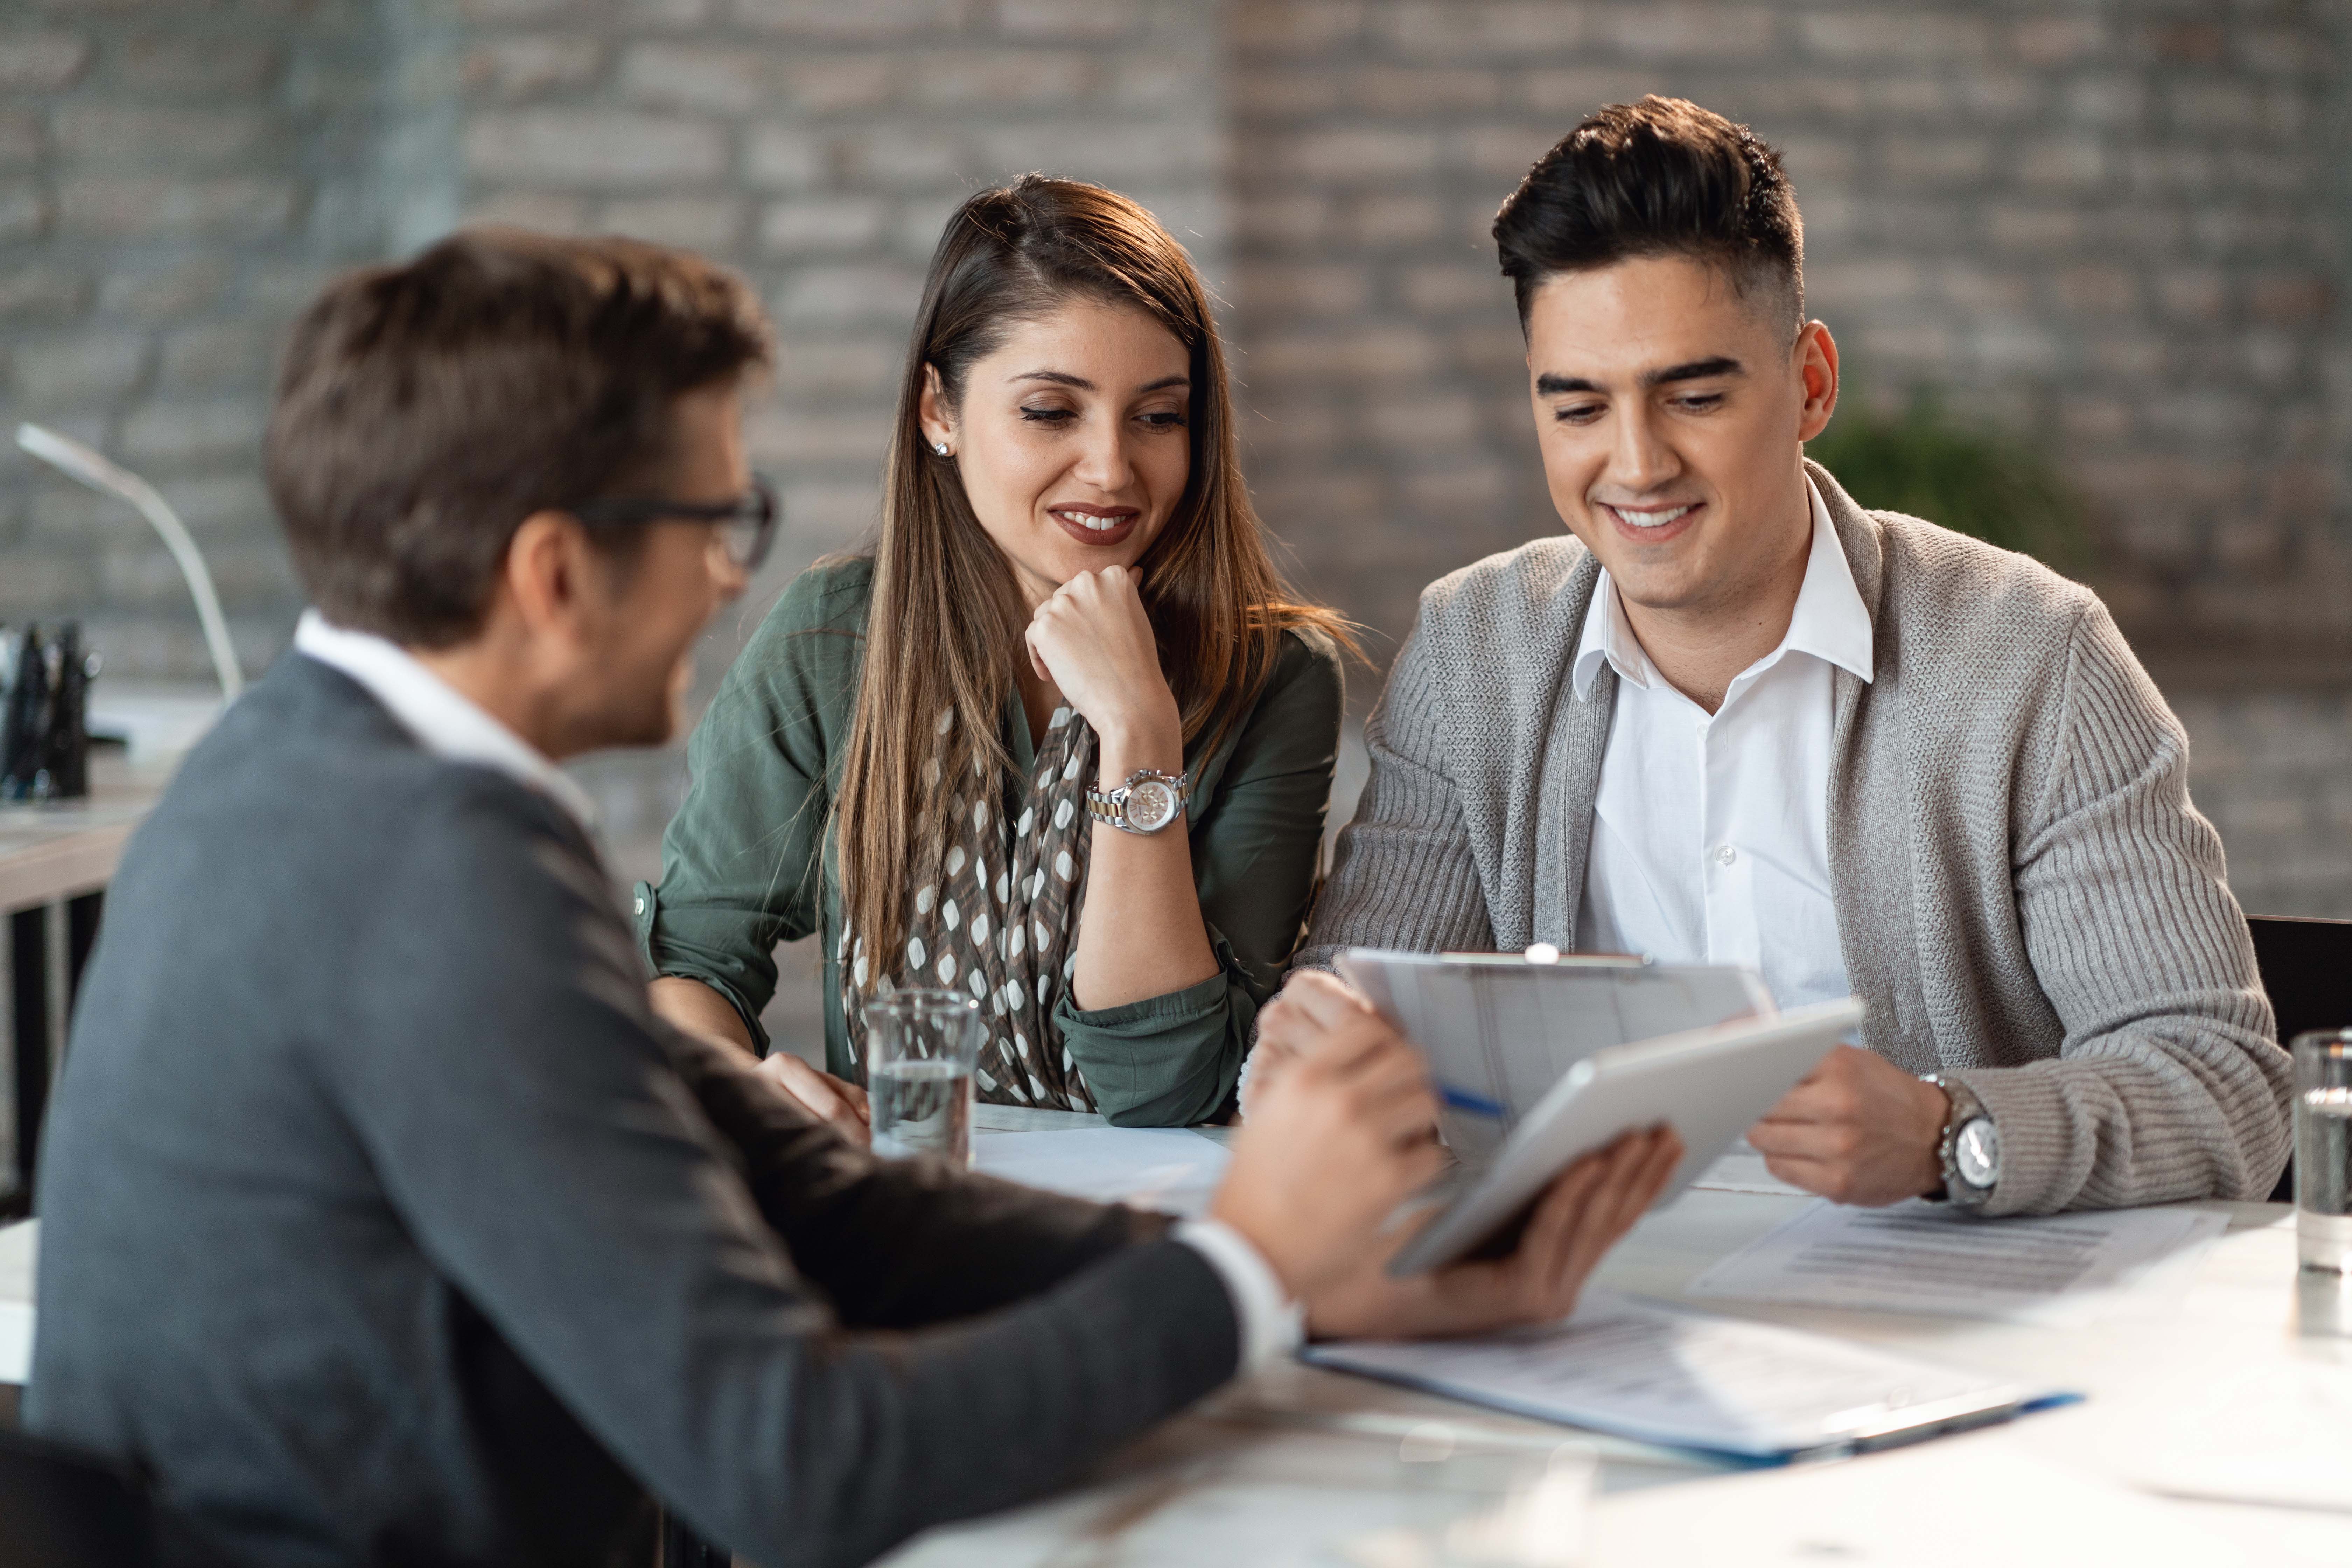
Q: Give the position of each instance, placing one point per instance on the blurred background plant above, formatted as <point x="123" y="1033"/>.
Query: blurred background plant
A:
<point x="1986" y="483"/>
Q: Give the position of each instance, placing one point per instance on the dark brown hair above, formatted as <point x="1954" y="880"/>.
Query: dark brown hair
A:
<point x="423" y="410"/>
<point x="1659" y="177"/>
<point x="946" y="613"/>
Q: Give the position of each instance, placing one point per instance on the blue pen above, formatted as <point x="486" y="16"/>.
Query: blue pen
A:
<point x="1463" y="1099"/>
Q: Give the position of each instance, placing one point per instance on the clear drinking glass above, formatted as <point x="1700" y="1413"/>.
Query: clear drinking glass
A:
<point x="2323" y="1149"/>
<point x="921" y="1048"/>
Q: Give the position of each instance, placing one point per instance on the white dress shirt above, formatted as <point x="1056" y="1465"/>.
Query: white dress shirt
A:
<point x="445" y="721"/>
<point x="1711" y="832"/>
<point x="448" y="723"/>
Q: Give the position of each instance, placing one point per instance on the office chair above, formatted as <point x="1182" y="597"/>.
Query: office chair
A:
<point x="62" y="1509"/>
<point x="2307" y="966"/>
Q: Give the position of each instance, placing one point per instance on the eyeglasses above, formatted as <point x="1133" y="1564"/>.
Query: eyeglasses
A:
<point x="747" y="525"/>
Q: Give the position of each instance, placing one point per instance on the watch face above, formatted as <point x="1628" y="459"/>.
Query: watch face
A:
<point x="1150" y="804"/>
<point x="1977" y="1153"/>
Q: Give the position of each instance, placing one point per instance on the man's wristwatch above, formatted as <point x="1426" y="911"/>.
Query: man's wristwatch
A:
<point x="1148" y="802"/>
<point x="1969" y="1152"/>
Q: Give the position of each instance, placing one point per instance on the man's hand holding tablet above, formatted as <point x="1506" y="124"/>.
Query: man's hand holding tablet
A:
<point x="1858" y="1130"/>
<point x="1319" y="1020"/>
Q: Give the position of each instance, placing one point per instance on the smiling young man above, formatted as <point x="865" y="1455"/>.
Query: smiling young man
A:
<point x="1738" y="719"/>
<point x="383" y="1222"/>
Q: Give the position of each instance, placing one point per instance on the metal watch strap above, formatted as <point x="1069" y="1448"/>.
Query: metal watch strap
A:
<point x="1966" y="1108"/>
<point x="1109" y="806"/>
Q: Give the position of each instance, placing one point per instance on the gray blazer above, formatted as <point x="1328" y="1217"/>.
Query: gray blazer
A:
<point x="2025" y="896"/>
<point x="382" y="1223"/>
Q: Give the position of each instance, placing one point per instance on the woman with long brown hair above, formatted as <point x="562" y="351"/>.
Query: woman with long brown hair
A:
<point x="1062" y="740"/>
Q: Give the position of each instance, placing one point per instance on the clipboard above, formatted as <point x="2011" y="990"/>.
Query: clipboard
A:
<point x="1499" y="1029"/>
<point x="1710" y="1085"/>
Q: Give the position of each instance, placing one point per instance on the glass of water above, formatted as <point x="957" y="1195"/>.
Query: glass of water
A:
<point x="921" y="1047"/>
<point x="2323" y="1149"/>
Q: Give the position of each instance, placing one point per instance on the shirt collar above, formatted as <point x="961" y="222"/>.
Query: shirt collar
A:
<point x="1830" y="622"/>
<point x="444" y="720"/>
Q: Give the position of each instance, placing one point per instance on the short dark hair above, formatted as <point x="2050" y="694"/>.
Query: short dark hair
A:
<point x="425" y="409"/>
<point x="1660" y="177"/>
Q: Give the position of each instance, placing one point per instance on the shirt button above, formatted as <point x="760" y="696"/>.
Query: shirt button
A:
<point x="641" y="903"/>
<point x="1726" y="855"/>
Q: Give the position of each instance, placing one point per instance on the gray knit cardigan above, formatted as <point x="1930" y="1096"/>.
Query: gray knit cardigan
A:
<point x="2026" y="898"/>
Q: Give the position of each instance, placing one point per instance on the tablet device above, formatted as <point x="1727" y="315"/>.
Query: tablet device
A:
<point x="1710" y="1085"/>
<point x="1499" y="1029"/>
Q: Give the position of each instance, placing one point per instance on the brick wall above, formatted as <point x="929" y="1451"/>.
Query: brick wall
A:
<point x="819" y="145"/>
<point x="174" y="180"/>
<point x="2113" y="225"/>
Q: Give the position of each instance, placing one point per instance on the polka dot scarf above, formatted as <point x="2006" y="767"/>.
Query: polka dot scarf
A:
<point x="995" y="912"/>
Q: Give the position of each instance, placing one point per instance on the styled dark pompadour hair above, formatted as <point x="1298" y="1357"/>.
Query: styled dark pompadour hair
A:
<point x="1660" y="177"/>
<point x="425" y="409"/>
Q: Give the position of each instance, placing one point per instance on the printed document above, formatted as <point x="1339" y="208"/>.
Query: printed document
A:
<point x="1925" y="1257"/>
<point x="1740" y="1169"/>
<point x="1683" y="1379"/>
<point x="1164" y="1168"/>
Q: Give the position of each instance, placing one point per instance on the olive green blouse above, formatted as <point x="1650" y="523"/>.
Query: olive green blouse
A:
<point x="747" y="862"/>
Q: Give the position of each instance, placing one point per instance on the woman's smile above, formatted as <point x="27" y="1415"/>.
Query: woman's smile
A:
<point x="1102" y="526"/>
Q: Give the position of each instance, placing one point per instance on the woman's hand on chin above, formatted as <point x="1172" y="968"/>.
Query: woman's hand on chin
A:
<point x="1093" y="640"/>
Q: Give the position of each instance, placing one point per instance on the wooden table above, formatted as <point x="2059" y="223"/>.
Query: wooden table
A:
<point x="1303" y="1467"/>
<point x="55" y="858"/>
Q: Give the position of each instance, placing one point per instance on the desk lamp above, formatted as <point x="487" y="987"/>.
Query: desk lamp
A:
<point x="71" y="457"/>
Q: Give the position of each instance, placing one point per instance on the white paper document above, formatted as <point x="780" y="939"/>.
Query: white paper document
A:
<point x="1923" y="1257"/>
<point x="1164" y="1168"/>
<point x="1687" y="1380"/>
<point x="1741" y="1170"/>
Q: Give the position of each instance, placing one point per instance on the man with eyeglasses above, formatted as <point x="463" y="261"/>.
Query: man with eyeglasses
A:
<point x="383" y="1222"/>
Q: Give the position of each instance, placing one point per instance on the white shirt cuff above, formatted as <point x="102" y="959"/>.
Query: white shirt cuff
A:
<point x="1272" y="1325"/>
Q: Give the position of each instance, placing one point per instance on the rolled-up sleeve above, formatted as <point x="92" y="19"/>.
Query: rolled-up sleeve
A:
<point x="1256" y="836"/>
<point x="743" y="860"/>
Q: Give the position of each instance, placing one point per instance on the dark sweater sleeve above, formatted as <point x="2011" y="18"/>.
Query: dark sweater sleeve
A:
<point x="540" y="1142"/>
<point x="960" y="1245"/>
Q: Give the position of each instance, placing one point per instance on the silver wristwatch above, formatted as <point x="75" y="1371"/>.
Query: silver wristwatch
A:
<point x="1970" y="1150"/>
<point x="1148" y="802"/>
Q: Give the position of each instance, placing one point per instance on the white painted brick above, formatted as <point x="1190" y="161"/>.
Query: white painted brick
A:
<point x="599" y="148"/>
<point x="701" y="78"/>
<point x="25" y="212"/>
<point x="209" y="429"/>
<point x="862" y="20"/>
<point x="833" y="296"/>
<point x="56" y="375"/>
<point x="784" y="158"/>
<point x="1064" y="19"/>
<point x="143" y="207"/>
<point x="695" y="223"/>
<point x="108" y="135"/>
<point x="41" y="60"/>
<point x="532" y="65"/>
<point x="823" y="226"/>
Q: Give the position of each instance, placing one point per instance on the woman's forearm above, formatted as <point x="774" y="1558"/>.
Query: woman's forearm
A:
<point x="691" y="1005"/>
<point x="1140" y="933"/>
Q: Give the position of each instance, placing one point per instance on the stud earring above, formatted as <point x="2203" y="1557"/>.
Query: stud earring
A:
<point x="941" y="447"/>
